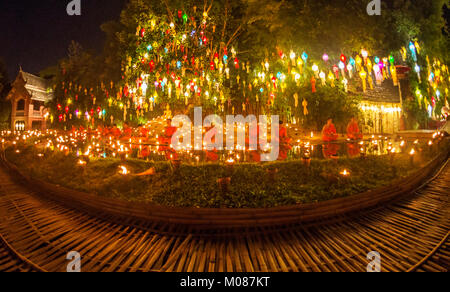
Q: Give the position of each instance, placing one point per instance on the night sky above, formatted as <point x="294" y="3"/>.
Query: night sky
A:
<point x="36" y="34"/>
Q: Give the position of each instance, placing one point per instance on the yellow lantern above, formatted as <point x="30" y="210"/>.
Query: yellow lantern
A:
<point x="331" y="78"/>
<point x="363" y="76"/>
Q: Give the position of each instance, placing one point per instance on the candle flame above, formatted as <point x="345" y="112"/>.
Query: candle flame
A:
<point x="345" y="172"/>
<point x="123" y="170"/>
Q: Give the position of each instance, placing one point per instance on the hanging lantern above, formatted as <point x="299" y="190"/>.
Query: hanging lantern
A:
<point x="305" y="57"/>
<point x="325" y="58"/>
<point x="331" y="78"/>
<point x="323" y="77"/>
<point x="412" y="48"/>
<point x="236" y="63"/>
<point x="336" y="71"/>
<point x="293" y="56"/>
<point x="350" y="70"/>
<point x="392" y="60"/>
<point x="417" y="69"/>
<point x="313" y="85"/>
<point x="364" y="54"/>
<point x="358" y="61"/>
<point x="343" y="58"/>
<point x="315" y="69"/>
<point x="345" y="82"/>
<point x="342" y="68"/>
<point x="363" y="76"/>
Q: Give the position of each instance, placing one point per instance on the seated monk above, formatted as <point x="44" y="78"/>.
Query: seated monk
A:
<point x="127" y="132"/>
<point x="144" y="132"/>
<point x="353" y="131"/>
<point x="115" y="131"/>
<point x="285" y="142"/>
<point x="329" y="133"/>
<point x="211" y="153"/>
<point x="166" y="140"/>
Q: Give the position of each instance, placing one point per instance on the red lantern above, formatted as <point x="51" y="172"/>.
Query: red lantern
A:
<point x="212" y="66"/>
<point x="152" y="65"/>
<point x="274" y="81"/>
<point x="313" y="84"/>
<point x="58" y="107"/>
<point x="343" y="58"/>
<point x="336" y="71"/>
<point x="236" y="63"/>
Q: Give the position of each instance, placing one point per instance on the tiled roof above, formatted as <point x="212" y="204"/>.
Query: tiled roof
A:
<point x="37" y="87"/>
<point x="35" y="81"/>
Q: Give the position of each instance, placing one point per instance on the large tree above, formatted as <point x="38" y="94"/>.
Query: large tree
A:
<point x="242" y="56"/>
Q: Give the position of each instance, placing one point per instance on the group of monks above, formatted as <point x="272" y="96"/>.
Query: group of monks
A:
<point x="329" y="135"/>
<point x="213" y="155"/>
<point x="125" y="134"/>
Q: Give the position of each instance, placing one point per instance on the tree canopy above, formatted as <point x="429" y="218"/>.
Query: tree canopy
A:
<point x="158" y="50"/>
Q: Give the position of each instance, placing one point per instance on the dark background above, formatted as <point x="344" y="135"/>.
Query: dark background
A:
<point x="36" y="34"/>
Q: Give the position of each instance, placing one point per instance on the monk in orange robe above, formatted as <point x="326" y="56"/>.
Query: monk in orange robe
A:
<point x="116" y="132"/>
<point x="285" y="142"/>
<point x="127" y="132"/>
<point x="329" y="133"/>
<point x="166" y="140"/>
<point x="353" y="131"/>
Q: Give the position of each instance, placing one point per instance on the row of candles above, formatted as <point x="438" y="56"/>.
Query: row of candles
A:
<point x="53" y="140"/>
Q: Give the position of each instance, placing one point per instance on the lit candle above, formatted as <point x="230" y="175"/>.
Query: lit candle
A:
<point x="345" y="173"/>
<point x="123" y="170"/>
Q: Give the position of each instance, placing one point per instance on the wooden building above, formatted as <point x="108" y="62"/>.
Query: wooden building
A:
<point x="382" y="106"/>
<point x="28" y="97"/>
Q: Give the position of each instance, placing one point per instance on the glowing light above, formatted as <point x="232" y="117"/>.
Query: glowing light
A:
<point x="417" y="68"/>
<point x="293" y="55"/>
<point x="345" y="173"/>
<point x="364" y="53"/>
<point x="123" y="170"/>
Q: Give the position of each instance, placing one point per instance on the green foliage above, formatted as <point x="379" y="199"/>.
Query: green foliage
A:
<point x="197" y="186"/>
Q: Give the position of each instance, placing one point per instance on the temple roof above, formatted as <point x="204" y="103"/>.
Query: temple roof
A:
<point x="386" y="92"/>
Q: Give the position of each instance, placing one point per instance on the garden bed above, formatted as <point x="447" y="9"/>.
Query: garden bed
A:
<point x="250" y="186"/>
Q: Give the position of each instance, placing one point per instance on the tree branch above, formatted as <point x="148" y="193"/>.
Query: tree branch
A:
<point x="235" y="34"/>
<point x="168" y="10"/>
